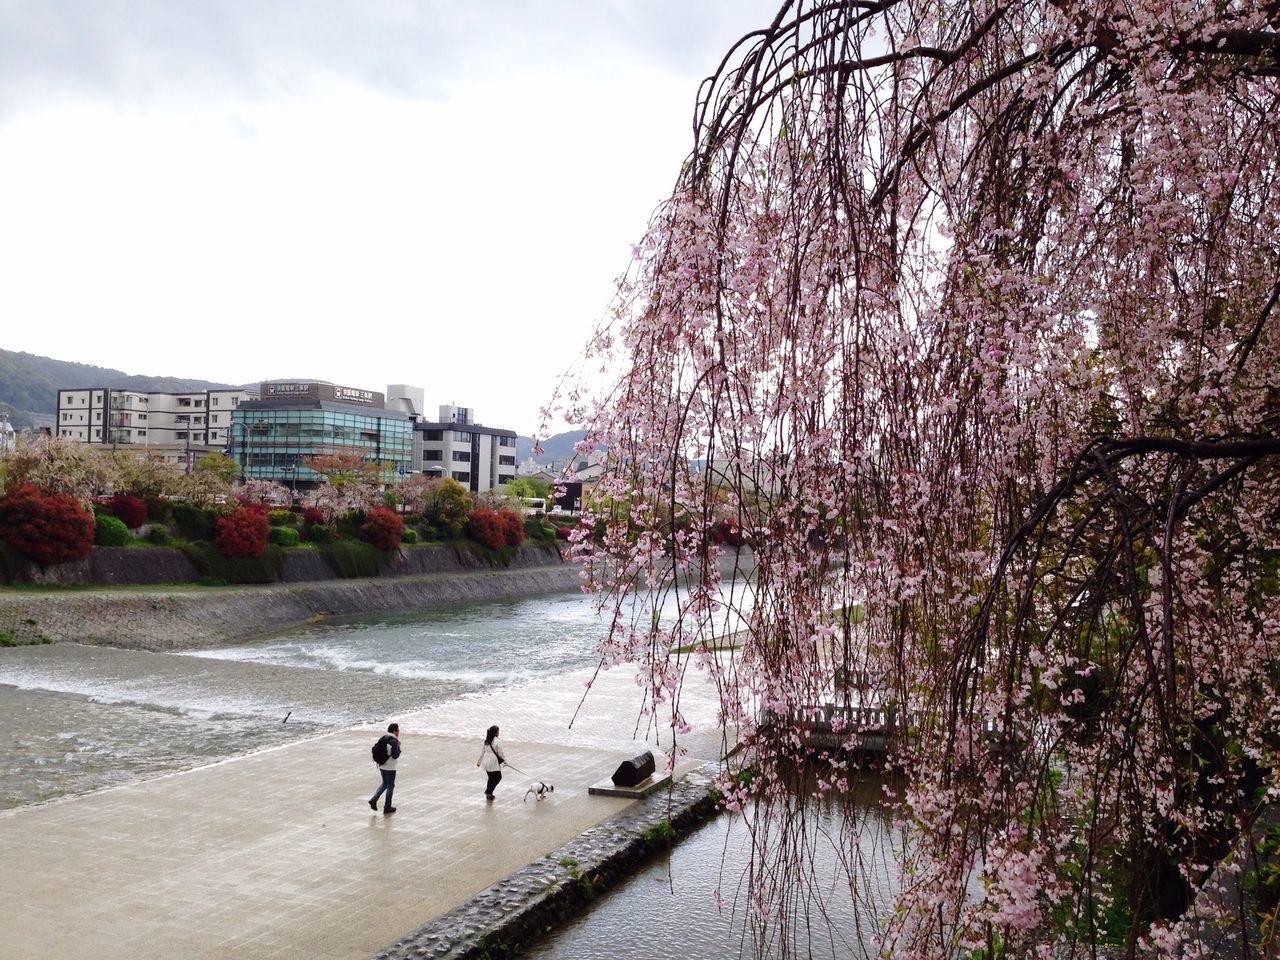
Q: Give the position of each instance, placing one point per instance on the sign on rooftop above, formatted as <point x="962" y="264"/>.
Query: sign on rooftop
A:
<point x="317" y="390"/>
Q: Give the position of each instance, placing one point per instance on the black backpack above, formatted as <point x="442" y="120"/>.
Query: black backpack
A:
<point x="382" y="749"/>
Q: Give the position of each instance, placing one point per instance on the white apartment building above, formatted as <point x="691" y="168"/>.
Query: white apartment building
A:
<point x="455" y="445"/>
<point x="173" y="425"/>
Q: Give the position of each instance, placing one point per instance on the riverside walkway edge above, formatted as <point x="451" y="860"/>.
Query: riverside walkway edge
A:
<point x="529" y="904"/>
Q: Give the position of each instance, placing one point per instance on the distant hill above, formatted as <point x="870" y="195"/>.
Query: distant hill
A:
<point x="554" y="449"/>
<point x="30" y="384"/>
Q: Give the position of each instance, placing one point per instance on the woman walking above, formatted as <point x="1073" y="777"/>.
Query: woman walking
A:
<point x="492" y="759"/>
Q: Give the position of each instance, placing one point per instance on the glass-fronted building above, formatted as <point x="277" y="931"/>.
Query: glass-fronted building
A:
<point x="273" y="437"/>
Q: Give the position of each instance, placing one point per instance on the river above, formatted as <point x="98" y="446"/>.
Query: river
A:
<point x="78" y="718"/>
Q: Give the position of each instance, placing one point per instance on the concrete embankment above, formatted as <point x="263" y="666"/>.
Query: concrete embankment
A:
<point x="530" y="903"/>
<point x="184" y="617"/>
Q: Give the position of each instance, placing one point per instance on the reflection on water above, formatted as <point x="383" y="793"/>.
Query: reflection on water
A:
<point x="692" y="903"/>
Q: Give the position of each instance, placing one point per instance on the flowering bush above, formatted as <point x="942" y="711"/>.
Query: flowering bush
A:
<point x="45" y="527"/>
<point x="382" y="527"/>
<point x="132" y="510"/>
<point x="243" y="533"/>
<point x="512" y="525"/>
<point x="312" y="516"/>
<point x="483" y="526"/>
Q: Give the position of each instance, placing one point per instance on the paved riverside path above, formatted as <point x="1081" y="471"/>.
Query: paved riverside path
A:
<point x="277" y="855"/>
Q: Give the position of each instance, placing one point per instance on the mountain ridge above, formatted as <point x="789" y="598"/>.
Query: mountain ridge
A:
<point x="29" y="383"/>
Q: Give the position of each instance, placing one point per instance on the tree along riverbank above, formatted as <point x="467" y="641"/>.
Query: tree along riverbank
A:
<point x="189" y="617"/>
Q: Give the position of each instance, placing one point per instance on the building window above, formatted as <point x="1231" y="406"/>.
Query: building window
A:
<point x="199" y="403"/>
<point x="434" y="434"/>
<point x="97" y="417"/>
<point x="507" y="461"/>
<point x="141" y="433"/>
<point x="97" y="432"/>
<point x="213" y="402"/>
<point x="461" y="436"/>
<point x="181" y="435"/>
<point x="184" y="401"/>
<point x="436" y="455"/>
<point x="505" y="478"/>
<point x="462" y="476"/>
<point x="462" y="456"/>
<point x="506" y="441"/>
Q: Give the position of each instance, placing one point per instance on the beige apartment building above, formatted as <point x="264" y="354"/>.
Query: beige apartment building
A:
<point x="175" y="426"/>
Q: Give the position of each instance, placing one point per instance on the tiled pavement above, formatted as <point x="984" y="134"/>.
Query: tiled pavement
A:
<point x="277" y="855"/>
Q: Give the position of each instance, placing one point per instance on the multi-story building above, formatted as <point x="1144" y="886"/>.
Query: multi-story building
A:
<point x="454" y="445"/>
<point x="273" y="436"/>
<point x="175" y="426"/>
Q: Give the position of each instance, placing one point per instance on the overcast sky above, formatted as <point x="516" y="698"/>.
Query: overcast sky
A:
<point x="434" y="193"/>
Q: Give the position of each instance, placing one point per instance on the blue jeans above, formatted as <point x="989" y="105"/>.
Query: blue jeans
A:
<point x="388" y="784"/>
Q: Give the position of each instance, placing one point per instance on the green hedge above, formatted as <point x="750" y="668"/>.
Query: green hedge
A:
<point x="320" y="533"/>
<point x="284" y="536"/>
<point x="214" y="567"/>
<point x="536" y="531"/>
<point x="193" y="522"/>
<point x="409" y="536"/>
<point x="110" y="531"/>
<point x="350" y="559"/>
<point x="158" y="535"/>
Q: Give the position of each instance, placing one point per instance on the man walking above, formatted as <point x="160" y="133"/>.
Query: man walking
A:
<point x="385" y="754"/>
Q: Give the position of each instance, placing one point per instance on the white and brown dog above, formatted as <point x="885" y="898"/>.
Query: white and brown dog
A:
<point x="539" y="790"/>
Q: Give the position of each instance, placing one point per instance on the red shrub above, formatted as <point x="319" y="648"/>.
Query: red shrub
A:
<point x="483" y="526"/>
<point x="131" y="510"/>
<point x="312" y="517"/>
<point x="563" y="532"/>
<point x="243" y="533"/>
<point x="512" y="527"/>
<point x="45" y="527"/>
<point x="382" y="528"/>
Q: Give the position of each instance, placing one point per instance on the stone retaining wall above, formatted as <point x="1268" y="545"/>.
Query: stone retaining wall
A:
<point x="113" y="566"/>
<point x="180" y="618"/>
<point x="515" y="912"/>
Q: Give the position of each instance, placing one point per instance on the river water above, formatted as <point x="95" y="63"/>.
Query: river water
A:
<point x="77" y="718"/>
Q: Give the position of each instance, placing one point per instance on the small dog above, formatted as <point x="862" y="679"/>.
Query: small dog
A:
<point x="539" y="791"/>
